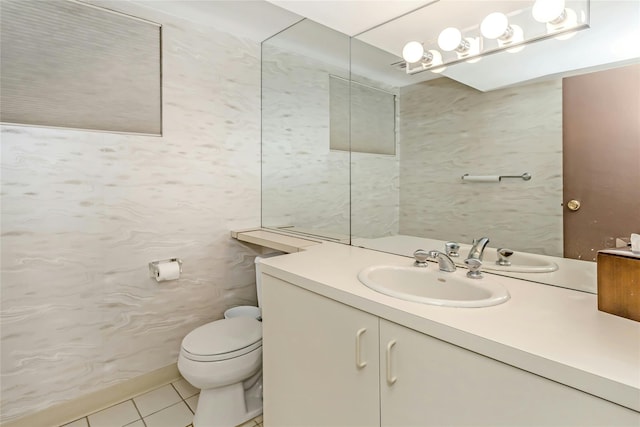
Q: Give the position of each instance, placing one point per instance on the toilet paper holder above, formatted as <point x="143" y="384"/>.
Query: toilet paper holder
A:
<point x="153" y="266"/>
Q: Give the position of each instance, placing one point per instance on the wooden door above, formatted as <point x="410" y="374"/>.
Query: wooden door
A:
<point x="601" y="159"/>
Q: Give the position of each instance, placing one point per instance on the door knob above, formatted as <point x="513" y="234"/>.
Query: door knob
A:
<point x="573" y="205"/>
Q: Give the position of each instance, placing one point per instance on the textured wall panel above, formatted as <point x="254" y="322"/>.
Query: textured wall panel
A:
<point x="84" y="212"/>
<point x="448" y="129"/>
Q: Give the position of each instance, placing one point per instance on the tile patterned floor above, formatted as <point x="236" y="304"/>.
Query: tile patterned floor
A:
<point x="172" y="405"/>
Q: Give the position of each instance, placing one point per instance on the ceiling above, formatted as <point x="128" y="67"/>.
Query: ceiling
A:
<point x="351" y="17"/>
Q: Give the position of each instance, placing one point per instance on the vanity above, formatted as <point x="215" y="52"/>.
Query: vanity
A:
<point x="337" y="353"/>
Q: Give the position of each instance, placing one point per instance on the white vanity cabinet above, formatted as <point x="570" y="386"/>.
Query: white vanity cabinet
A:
<point x="328" y="364"/>
<point x="429" y="382"/>
<point x="320" y="360"/>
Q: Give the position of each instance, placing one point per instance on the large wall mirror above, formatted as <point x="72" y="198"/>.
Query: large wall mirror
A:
<point x="305" y="183"/>
<point x="531" y="112"/>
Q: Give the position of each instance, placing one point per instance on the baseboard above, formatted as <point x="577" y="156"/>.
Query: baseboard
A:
<point x="70" y="411"/>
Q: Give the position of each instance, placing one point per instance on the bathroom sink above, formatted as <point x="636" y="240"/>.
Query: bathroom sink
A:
<point x="431" y="286"/>
<point x="520" y="263"/>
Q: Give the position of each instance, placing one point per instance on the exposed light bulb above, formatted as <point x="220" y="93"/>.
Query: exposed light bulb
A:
<point x="449" y="39"/>
<point x="516" y="37"/>
<point x="570" y="21"/>
<point x="435" y="59"/>
<point x="494" y="25"/>
<point x="413" y="52"/>
<point x="547" y="10"/>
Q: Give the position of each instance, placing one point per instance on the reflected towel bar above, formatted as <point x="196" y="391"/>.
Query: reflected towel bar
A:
<point x="494" y="178"/>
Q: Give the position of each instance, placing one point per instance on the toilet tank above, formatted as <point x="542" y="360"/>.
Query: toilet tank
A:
<point x="258" y="275"/>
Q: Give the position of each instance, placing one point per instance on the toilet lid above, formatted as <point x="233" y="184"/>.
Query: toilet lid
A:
<point x="223" y="337"/>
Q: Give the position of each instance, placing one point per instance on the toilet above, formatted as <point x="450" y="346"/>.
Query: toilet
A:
<point x="224" y="360"/>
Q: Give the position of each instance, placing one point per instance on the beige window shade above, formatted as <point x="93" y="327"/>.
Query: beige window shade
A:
<point x="67" y="64"/>
<point x="372" y="114"/>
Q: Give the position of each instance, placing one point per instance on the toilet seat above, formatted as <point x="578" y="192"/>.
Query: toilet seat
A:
<point x="223" y="339"/>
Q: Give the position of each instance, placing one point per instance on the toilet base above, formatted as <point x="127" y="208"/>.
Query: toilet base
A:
<point x="231" y="405"/>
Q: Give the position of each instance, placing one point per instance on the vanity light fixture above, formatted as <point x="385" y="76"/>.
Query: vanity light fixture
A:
<point x="451" y="40"/>
<point x="495" y="26"/>
<point x="414" y="53"/>
<point x="499" y="31"/>
<point x="545" y="11"/>
<point x="556" y="16"/>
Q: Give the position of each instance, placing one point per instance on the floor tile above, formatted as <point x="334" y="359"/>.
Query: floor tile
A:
<point x="118" y="415"/>
<point x="177" y="415"/>
<point x="185" y="389"/>
<point x="249" y="423"/>
<point x="82" y="422"/>
<point x="138" y="423"/>
<point x="193" y="402"/>
<point x="156" y="400"/>
<point x="258" y="419"/>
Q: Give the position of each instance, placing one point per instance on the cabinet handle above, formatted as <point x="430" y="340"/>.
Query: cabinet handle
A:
<point x="359" y="363"/>
<point x="391" y="379"/>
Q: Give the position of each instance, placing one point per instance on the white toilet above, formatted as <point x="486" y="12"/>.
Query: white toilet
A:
<point x="224" y="360"/>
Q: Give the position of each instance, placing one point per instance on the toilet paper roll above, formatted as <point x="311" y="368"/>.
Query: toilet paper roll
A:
<point x="481" y="178"/>
<point x="168" y="271"/>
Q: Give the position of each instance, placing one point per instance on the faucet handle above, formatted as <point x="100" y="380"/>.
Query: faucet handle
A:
<point x="474" y="265"/>
<point x="503" y="256"/>
<point x="421" y="257"/>
<point x="451" y="249"/>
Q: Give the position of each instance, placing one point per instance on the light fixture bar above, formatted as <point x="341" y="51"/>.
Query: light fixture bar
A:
<point x="510" y="32"/>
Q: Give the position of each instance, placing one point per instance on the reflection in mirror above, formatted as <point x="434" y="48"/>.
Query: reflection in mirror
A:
<point x="368" y="116"/>
<point x="305" y="184"/>
<point x="500" y="116"/>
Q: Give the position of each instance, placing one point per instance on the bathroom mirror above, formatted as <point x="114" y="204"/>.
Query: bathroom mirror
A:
<point x="501" y="116"/>
<point x="305" y="183"/>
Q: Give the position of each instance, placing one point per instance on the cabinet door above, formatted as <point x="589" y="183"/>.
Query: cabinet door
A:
<point x="428" y="382"/>
<point x="321" y="365"/>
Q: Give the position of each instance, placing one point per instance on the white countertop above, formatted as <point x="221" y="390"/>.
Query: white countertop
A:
<point x="552" y="332"/>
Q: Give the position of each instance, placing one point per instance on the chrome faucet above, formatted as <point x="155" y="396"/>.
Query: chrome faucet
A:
<point x="451" y="248"/>
<point x="444" y="262"/>
<point x="503" y="257"/>
<point x="474" y="266"/>
<point x="477" y="250"/>
<point x="420" y="256"/>
<point x="474" y="260"/>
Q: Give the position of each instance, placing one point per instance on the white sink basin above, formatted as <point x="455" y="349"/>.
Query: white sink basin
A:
<point x="520" y="263"/>
<point x="431" y="286"/>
